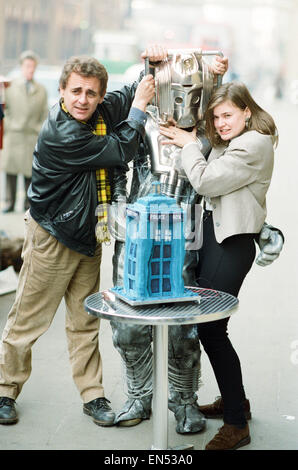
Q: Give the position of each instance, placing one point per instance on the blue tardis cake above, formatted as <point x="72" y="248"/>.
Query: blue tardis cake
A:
<point x="154" y="252"/>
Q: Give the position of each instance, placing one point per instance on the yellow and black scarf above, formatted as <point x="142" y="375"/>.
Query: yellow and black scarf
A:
<point x="103" y="188"/>
<point x="103" y="192"/>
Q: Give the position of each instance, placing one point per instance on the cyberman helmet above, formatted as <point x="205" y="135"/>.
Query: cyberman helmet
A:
<point x="184" y="85"/>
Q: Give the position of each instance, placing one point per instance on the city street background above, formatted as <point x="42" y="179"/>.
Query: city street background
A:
<point x="260" y="40"/>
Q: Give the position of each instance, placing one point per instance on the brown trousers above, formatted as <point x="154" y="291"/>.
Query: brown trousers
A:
<point x="50" y="272"/>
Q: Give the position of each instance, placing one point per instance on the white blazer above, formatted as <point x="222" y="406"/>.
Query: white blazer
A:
<point x="236" y="178"/>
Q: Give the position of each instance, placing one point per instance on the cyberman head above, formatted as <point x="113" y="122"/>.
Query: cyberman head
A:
<point x="184" y="85"/>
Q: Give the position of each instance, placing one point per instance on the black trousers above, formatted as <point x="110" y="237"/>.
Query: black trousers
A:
<point x="11" y="190"/>
<point x="223" y="266"/>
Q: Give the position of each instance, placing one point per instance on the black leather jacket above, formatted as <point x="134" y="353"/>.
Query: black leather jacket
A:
<point x="62" y="194"/>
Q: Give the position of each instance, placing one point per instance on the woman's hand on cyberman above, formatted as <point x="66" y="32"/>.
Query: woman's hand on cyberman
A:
<point x="176" y="136"/>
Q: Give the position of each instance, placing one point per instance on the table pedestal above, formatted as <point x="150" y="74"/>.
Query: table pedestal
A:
<point x="160" y="387"/>
<point x="213" y="305"/>
<point x="160" y="390"/>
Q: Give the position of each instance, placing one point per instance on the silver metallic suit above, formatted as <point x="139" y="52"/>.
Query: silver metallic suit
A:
<point x="184" y="84"/>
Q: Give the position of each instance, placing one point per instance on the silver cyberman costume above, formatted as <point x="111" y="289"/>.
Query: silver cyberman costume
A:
<point x="184" y="84"/>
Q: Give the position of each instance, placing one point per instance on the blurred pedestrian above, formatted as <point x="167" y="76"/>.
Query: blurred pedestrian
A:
<point x="26" y="107"/>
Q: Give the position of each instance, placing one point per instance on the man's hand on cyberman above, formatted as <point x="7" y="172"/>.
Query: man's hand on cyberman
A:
<point x="271" y="243"/>
<point x="219" y="65"/>
<point x="155" y="53"/>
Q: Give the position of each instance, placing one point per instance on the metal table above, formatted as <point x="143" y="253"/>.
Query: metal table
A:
<point x="213" y="305"/>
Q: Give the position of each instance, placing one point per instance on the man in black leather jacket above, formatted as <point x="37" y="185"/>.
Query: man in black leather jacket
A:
<point x="88" y="133"/>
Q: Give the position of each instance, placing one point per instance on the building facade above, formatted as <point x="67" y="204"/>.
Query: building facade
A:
<point x="54" y="29"/>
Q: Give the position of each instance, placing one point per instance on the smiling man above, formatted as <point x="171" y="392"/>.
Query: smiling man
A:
<point x="83" y="147"/>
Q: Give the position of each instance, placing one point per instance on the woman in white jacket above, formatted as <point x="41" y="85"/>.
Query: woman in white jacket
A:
<point x="234" y="182"/>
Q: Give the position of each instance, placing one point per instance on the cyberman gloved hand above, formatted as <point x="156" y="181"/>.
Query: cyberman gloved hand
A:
<point x="271" y="242"/>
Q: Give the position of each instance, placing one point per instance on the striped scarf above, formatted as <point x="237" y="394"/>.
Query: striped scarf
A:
<point x="103" y="189"/>
<point x="103" y="193"/>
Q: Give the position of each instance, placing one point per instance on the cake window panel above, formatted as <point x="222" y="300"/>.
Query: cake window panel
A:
<point x="167" y="251"/>
<point x="156" y="251"/>
<point x="133" y="250"/>
<point x="155" y="286"/>
<point x="166" y="284"/>
<point x="166" y="267"/>
<point x="155" y="268"/>
<point x="129" y="267"/>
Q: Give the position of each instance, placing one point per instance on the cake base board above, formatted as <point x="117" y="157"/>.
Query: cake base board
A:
<point x="166" y="300"/>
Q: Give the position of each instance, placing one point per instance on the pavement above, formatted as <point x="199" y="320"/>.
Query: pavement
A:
<point x="264" y="332"/>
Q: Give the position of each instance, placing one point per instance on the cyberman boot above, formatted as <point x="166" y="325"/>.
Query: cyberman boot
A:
<point x="184" y="378"/>
<point x="134" y="411"/>
<point x="133" y="342"/>
<point x="186" y="410"/>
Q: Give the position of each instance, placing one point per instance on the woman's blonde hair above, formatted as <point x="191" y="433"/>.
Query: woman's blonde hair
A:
<point x="238" y="94"/>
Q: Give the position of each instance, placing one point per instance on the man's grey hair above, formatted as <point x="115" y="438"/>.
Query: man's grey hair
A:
<point x="29" y="55"/>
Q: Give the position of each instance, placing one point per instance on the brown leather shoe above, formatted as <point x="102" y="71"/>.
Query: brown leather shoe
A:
<point x="229" y="437"/>
<point x="215" y="410"/>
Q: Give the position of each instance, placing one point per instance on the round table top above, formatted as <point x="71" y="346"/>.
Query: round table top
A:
<point x="212" y="305"/>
